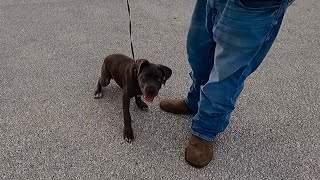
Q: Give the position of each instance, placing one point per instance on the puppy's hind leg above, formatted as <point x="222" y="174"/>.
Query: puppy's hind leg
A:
<point x="104" y="81"/>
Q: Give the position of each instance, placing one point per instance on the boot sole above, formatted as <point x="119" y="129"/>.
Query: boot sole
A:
<point x="196" y="165"/>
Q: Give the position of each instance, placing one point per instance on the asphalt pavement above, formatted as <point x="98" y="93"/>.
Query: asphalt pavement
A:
<point x="51" y="52"/>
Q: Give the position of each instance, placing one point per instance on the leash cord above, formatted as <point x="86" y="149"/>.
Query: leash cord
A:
<point x="130" y="29"/>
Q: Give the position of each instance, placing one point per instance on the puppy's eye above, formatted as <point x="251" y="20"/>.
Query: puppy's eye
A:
<point x="159" y="79"/>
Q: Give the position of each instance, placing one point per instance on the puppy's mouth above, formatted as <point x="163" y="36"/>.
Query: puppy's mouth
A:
<point x="149" y="93"/>
<point x="148" y="98"/>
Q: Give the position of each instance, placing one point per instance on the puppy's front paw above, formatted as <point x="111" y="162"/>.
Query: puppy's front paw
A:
<point x="98" y="95"/>
<point x="128" y="135"/>
<point x="142" y="105"/>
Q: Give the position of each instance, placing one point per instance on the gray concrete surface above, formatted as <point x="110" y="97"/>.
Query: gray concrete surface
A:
<point x="51" y="127"/>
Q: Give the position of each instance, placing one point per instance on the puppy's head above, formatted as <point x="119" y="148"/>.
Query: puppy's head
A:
<point x="151" y="77"/>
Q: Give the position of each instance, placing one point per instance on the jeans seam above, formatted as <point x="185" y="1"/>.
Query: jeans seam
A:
<point x="275" y="19"/>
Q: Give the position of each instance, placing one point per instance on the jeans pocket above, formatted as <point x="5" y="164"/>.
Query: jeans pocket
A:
<point x="259" y="5"/>
<point x="244" y="28"/>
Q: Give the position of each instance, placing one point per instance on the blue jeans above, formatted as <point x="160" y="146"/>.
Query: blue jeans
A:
<point x="227" y="41"/>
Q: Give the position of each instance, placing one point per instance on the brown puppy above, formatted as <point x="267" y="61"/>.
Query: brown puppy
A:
<point x="136" y="78"/>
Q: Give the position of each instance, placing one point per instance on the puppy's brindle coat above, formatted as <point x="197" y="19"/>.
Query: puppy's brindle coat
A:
<point x="136" y="78"/>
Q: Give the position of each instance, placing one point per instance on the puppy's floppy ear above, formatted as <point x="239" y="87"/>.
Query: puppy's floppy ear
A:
<point x="167" y="72"/>
<point x="140" y="63"/>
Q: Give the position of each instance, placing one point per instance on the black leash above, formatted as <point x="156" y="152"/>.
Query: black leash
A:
<point x="130" y="29"/>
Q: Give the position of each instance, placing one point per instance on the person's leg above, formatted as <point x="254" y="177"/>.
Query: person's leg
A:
<point x="244" y="33"/>
<point x="200" y="50"/>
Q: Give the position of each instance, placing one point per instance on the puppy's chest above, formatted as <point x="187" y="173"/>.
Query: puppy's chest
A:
<point x="134" y="87"/>
<point x="128" y="84"/>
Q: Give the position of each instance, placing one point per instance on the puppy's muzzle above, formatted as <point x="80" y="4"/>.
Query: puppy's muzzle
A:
<point x="151" y="90"/>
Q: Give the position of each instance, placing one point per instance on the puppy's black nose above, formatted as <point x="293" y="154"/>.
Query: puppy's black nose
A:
<point x="151" y="90"/>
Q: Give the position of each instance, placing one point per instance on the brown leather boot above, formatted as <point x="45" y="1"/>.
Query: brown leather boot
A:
<point x="176" y="106"/>
<point x="198" y="152"/>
